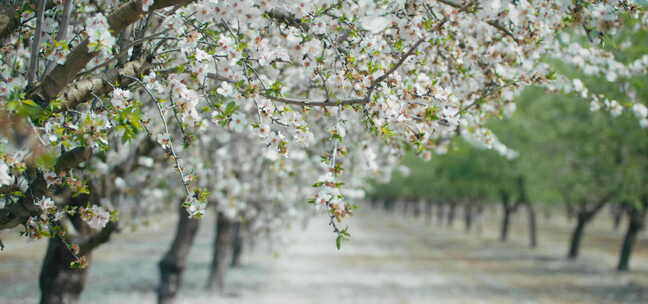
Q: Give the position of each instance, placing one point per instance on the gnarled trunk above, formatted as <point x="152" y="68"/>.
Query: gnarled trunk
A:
<point x="59" y="283"/>
<point x="174" y="262"/>
<point x="221" y="253"/>
<point x="636" y="220"/>
<point x="583" y="217"/>
<point x="576" y="237"/>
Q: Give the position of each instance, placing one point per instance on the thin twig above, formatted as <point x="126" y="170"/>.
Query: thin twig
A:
<point x="171" y="148"/>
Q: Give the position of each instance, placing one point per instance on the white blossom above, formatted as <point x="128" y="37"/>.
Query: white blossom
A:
<point x="96" y="217"/>
<point x="5" y="177"/>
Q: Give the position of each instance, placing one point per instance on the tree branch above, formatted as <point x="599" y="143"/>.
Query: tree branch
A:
<point x="35" y="51"/>
<point x="82" y="90"/>
<point x="18" y="213"/>
<point x="63" y="74"/>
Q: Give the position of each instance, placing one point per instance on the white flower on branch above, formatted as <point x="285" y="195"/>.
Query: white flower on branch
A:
<point x="194" y="207"/>
<point x="5" y="178"/>
<point x="120" y="98"/>
<point x="99" y="35"/>
<point x="96" y="217"/>
<point x="45" y="203"/>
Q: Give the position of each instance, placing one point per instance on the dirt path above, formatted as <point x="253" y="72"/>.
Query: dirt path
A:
<point x="389" y="260"/>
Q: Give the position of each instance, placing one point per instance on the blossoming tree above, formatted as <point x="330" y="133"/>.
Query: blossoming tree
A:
<point x="83" y="78"/>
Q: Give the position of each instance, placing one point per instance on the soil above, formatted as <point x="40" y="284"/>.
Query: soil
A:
<point x="390" y="259"/>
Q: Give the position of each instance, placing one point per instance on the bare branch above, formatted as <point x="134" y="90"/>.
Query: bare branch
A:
<point x="35" y="51"/>
<point x="503" y="29"/>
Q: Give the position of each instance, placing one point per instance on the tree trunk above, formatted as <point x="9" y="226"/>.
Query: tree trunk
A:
<point x="417" y="209"/>
<point x="547" y="214"/>
<point x="468" y="217"/>
<point x="428" y="212"/>
<point x="388" y="204"/>
<point x="221" y="254"/>
<point x="617" y="216"/>
<point x="506" y="221"/>
<point x="174" y="262"/>
<point x="569" y="212"/>
<point x="59" y="283"/>
<point x="636" y="220"/>
<point x="237" y="246"/>
<point x="577" y="236"/>
<point x="506" y="215"/>
<point x="405" y="207"/>
<point x="583" y="217"/>
<point x="533" y="232"/>
<point x="479" y="218"/>
<point x="440" y="213"/>
<point x="451" y="214"/>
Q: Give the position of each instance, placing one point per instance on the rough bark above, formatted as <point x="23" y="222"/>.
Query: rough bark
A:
<point x="60" y="284"/>
<point x="62" y="75"/>
<point x="221" y="254"/>
<point x="18" y="213"/>
<point x="82" y="90"/>
<point x="174" y="262"/>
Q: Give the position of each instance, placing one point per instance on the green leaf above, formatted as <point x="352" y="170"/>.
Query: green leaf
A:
<point x="338" y="241"/>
